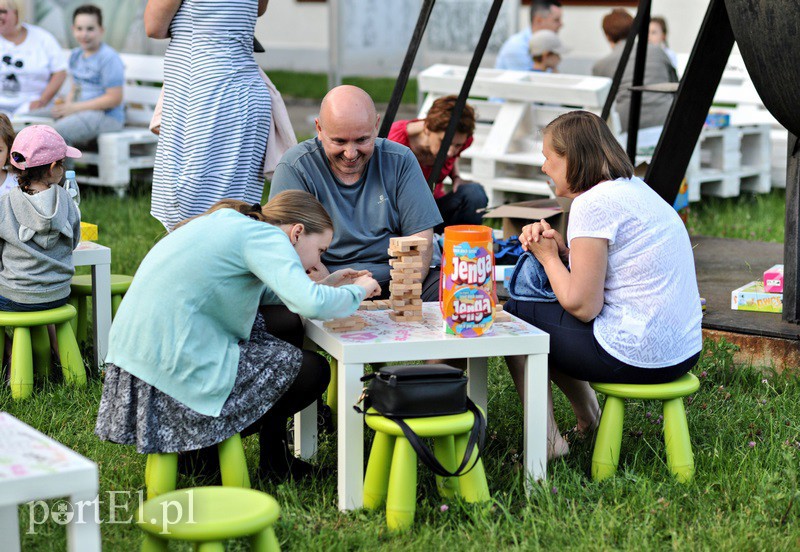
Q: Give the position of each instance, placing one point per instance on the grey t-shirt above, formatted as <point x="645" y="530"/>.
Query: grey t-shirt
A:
<point x="391" y="199"/>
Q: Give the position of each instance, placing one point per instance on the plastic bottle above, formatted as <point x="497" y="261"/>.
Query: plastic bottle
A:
<point x="71" y="185"/>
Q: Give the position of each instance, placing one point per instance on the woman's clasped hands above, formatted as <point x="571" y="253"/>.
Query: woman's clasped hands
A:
<point x="543" y="241"/>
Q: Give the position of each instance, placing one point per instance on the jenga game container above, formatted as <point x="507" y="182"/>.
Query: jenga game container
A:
<point x="467" y="297"/>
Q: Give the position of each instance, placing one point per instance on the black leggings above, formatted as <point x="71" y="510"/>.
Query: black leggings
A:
<point x="574" y="351"/>
<point x="310" y="383"/>
<point x="311" y="380"/>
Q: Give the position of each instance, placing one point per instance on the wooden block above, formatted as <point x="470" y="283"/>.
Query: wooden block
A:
<point x="404" y="318"/>
<point x="502" y="316"/>
<point x="393" y="287"/>
<point x="405" y="243"/>
<point x="349" y="323"/>
<point x="409" y="254"/>
<point x="406" y="280"/>
<point x="366" y="305"/>
<point x="416" y="301"/>
<point x="406" y="274"/>
<point x="413" y="266"/>
<point x="382" y="304"/>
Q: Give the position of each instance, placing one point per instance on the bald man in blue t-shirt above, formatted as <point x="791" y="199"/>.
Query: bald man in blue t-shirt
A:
<point x="372" y="188"/>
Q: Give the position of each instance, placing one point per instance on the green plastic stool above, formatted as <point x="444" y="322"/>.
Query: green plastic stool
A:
<point x="82" y="290"/>
<point x="207" y="516"/>
<point x="680" y="459"/>
<point x="31" y="347"/>
<point x="161" y="469"/>
<point x="392" y="468"/>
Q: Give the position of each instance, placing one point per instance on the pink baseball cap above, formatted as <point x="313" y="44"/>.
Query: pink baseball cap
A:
<point x="37" y="145"/>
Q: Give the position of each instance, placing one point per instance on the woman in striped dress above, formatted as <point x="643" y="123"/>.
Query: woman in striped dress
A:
<point x="216" y="110"/>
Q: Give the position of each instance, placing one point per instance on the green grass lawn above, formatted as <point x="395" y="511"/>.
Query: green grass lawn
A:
<point x="745" y="429"/>
<point x="315" y="85"/>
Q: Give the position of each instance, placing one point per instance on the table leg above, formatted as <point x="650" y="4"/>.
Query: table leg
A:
<point x="478" y="384"/>
<point x="101" y="310"/>
<point x="83" y="533"/>
<point x="305" y="432"/>
<point x="535" y="418"/>
<point x="350" y="435"/>
<point x="9" y="527"/>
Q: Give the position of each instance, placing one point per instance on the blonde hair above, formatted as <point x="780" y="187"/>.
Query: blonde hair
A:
<point x="288" y="207"/>
<point x="13" y="5"/>
<point x="7" y="134"/>
<point x="593" y="154"/>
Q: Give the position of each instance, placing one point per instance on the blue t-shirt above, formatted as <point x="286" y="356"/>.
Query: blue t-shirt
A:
<point x="391" y="199"/>
<point x="97" y="73"/>
<point x="515" y="53"/>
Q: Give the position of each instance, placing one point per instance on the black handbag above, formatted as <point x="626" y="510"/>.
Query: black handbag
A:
<point x="420" y="391"/>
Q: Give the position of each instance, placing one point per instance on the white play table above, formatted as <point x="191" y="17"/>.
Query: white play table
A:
<point x="386" y="341"/>
<point x="99" y="258"/>
<point x="35" y="467"/>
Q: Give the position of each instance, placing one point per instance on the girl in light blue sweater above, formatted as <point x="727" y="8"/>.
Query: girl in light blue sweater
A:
<point x="190" y="360"/>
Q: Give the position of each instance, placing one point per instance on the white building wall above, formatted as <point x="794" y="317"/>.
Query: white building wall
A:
<point x="295" y="34"/>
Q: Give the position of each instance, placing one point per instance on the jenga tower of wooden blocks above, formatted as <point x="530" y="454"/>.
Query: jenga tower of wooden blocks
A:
<point x="406" y="273"/>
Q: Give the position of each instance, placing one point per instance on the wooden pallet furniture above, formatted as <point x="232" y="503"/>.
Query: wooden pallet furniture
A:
<point x="505" y="156"/>
<point x="133" y="147"/>
<point x="506" y="153"/>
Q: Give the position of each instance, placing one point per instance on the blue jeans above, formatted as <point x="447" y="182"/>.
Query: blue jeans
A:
<point x="12" y="306"/>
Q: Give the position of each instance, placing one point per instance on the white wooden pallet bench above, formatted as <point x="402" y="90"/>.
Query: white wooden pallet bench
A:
<point x="505" y="156"/>
<point x="133" y="147"/>
<point x="506" y="153"/>
<point x="730" y="160"/>
<point x="737" y="95"/>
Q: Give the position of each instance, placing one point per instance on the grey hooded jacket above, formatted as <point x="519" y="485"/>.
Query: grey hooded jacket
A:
<point x="35" y="249"/>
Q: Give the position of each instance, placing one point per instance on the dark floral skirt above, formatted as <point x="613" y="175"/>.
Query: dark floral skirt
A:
<point x="133" y="412"/>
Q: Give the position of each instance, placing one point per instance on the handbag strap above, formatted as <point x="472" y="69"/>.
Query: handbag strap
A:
<point x="477" y="436"/>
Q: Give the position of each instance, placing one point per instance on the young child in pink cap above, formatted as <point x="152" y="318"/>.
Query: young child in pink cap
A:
<point x="40" y="224"/>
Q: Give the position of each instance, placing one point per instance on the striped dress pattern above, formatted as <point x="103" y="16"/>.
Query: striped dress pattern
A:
<point x="216" y="112"/>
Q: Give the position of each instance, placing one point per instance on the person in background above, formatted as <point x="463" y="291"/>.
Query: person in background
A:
<point x="40" y="225"/>
<point x="372" y="187"/>
<point x="628" y="307"/>
<point x="32" y="66"/>
<point x="514" y="54"/>
<point x="8" y="180"/>
<point x="658" y="70"/>
<point x="657" y="35"/>
<point x="465" y="202"/>
<point x="546" y="51"/>
<point x="217" y="110"/>
<point x="190" y="360"/>
<point x="94" y="103"/>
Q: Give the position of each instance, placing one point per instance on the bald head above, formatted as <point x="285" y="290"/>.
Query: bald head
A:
<point x="347" y="127"/>
<point x="347" y="103"/>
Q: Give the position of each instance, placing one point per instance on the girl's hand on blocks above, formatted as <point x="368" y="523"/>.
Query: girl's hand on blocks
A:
<point x="344" y="276"/>
<point x="318" y="272"/>
<point x="370" y="285"/>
